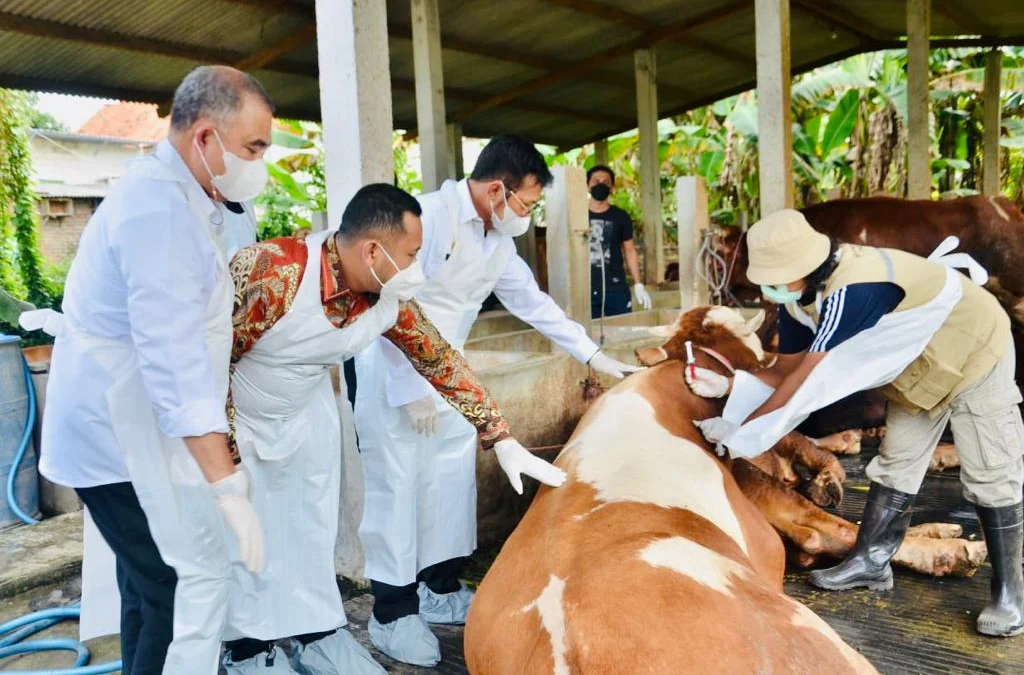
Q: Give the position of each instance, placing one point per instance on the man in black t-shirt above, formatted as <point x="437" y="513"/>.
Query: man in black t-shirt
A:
<point x="611" y="240"/>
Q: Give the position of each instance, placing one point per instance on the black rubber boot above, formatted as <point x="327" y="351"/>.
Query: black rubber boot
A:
<point x="886" y="519"/>
<point x="1003" y="616"/>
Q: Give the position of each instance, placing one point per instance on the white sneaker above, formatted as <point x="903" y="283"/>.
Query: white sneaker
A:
<point x="445" y="608"/>
<point x="408" y="640"/>
<point x="273" y="662"/>
<point x="333" y="654"/>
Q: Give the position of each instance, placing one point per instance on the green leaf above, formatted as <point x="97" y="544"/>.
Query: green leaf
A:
<point x="710" y="165"/>
<point x="743" y="118"/>
<point x="289" y="140"/>
<point x="1016" y="143"/>
<point x="840" y="122"/>
<point x="291" y="186"/>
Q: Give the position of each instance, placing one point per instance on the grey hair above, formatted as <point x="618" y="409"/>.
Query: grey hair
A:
<point x="215" y="92"/>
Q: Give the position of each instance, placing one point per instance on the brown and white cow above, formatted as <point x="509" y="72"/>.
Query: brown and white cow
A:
<point x="649" y="559"/>
<point x="656" y="556"/>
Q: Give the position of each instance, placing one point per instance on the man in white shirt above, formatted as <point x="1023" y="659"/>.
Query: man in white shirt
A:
<point x="136" y="418"/>
<point x="419" y="456"/>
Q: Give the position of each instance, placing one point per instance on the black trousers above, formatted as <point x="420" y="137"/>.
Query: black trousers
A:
<point x="391" y="603"/>
<point x="145" y="581"/>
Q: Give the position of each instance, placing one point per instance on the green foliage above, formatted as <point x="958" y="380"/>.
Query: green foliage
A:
<point x="40" y="120"/>
<point x="21" y="264"/>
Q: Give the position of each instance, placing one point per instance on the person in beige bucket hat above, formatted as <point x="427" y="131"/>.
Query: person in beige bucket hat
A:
<point x="940" y="348"/>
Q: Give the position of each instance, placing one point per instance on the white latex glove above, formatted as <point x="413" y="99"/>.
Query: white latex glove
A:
<point x="715" y="430"/>
<point x="707" y="383"/>
<point x="422" y="415"/>
<point x="603" y="363"/>
<point x="642" y="296"/>
<point x="516" y="460"/>
<point x="232" y="495"/>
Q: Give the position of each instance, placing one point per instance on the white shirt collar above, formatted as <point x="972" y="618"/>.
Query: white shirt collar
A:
<point x="467" y="211"/>
<point x="168" y="155"/>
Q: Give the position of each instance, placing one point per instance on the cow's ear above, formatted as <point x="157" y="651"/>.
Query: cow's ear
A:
<point x="651" y="356"/>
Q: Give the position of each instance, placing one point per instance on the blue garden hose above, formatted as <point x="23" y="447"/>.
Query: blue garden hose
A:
<point x="26" y="438"/>
<point x="31" y="624"/>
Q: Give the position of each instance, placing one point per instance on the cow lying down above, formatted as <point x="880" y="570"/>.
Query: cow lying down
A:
<point x="656" y="556"/>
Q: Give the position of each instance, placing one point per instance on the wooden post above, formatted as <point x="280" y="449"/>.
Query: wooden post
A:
<point x="455" y="158"/>
<point x="774" y="107"/>
<point x="601" y="152"/>
<point x="430" y="121"/>
<point x="993" y="115"/>
<point x="355" y="102"/>
<point x="693" y="219"/>
<point x="568" y="227"/>
<point x="650" y="168"/>
<point x="919" y="170"/>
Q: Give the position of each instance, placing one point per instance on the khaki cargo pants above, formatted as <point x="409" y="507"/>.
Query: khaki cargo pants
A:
<point x="989" y="438"/>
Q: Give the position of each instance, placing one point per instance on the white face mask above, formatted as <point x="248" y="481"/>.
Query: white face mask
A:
<point x="242" y="179"/>
<point x="511" y="224"/>
<point x="404" y="283"/>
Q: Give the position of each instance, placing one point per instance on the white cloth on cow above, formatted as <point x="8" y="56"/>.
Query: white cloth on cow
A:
<point x="872" y="358"/>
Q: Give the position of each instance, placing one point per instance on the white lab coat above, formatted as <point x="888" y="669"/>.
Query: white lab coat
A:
<point x="421" y="492"/>
<point x="127" y="383"/>
<point x="289" y="437"/>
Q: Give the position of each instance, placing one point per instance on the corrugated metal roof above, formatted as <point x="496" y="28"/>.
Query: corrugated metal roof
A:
<point x="577" y="53"/>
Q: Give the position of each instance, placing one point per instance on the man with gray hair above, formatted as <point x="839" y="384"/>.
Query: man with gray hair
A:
<point x="136" y="417"/>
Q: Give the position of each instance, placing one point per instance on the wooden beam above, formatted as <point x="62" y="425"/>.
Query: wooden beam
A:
<point x="969" y="21"/>
<point x="648" y="40"/>
<point x="639" y="23"/>
<point x="279" y="7"/>
<point x="289" y="44"/>
<point x="103" y="38"/>
<point x="841" y="19"/>
<point x="402" y="31"/>
<point x="475" y="97"/>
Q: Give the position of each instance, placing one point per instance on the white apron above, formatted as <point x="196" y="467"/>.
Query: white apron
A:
<point x="421" y="491"/>
<point x="289" y="437"/>
<point x="872" y="358"/>
<point x="183" y="518"/>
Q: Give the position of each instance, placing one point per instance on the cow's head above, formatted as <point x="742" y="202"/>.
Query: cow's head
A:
<point x="722" y="329"/>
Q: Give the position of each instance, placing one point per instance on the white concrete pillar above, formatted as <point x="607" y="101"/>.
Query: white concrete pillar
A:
<point x="455" y="157"/>
<point x="650" y="168"/>
<point x="993" y="120"/>
<point x="567" y="213"/>
<point x="774" y="107"/>
<point x="919" y="172"/>
<point x="601" y="152"/>
<point x="430" y="121"/>
<point x="355" y="100"/>
<point x="693" y="219"/>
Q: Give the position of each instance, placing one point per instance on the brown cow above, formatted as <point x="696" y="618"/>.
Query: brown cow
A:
<point x="991" y="230"/>
<point x="650" y="558"/>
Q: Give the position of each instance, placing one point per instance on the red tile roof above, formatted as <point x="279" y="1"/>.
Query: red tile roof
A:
<point x="135" y="121"/>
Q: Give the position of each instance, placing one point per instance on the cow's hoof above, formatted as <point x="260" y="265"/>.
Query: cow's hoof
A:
<point x="826" y="490"/>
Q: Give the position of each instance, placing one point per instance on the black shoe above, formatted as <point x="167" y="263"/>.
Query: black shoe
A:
<point x="886" y="519"/>
<point x="1003" y="616"/>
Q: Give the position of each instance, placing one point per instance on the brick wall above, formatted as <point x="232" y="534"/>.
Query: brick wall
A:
<point x="59" y="236"/>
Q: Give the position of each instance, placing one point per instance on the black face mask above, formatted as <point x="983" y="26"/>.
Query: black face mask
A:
<point x="600" y="192"/>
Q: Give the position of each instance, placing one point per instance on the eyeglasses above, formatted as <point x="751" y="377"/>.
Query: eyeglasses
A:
<point x="533" y="209"/>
